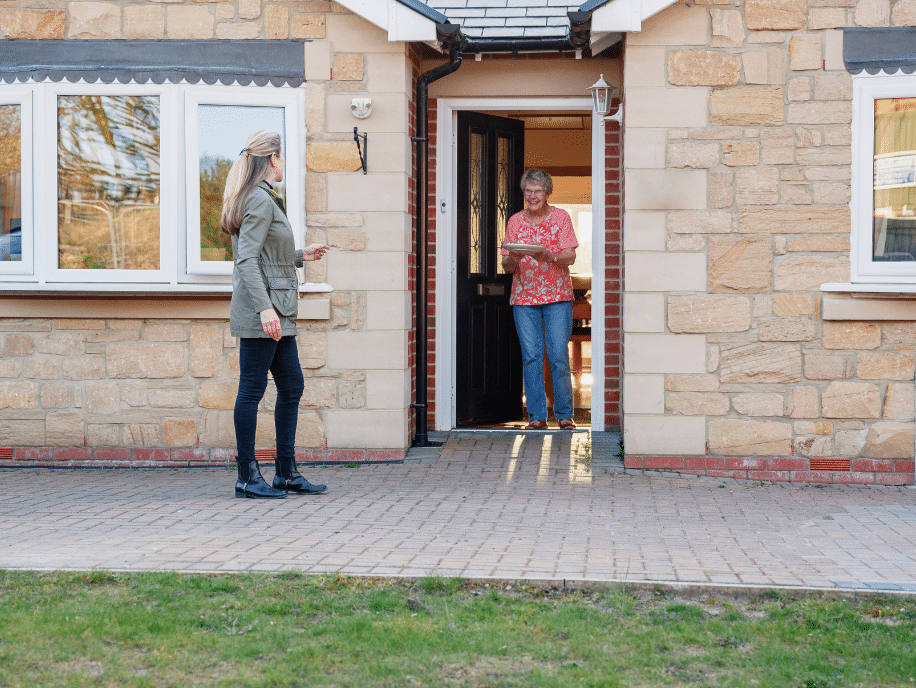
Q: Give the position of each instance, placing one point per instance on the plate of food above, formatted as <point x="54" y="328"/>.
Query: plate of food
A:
<point x="525" y="249"/>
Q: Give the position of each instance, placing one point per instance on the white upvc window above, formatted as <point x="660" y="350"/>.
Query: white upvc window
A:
<point x="217" y="122"/>
<point x="883" y="202"/>
<point x="17" y="224"/>
<point x="119" y="186"/>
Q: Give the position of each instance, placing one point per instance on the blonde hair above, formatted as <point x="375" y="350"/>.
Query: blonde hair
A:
<point x="247" y="172"/>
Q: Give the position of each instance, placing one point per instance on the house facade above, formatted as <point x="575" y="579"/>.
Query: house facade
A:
<point x="747" y="278"/>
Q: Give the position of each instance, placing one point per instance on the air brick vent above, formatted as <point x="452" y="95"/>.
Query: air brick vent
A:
<point x="830" y="465"/>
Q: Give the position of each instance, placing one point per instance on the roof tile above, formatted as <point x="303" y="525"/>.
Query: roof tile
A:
<point x="506" y="12"/>
<point x="508" y="18"/>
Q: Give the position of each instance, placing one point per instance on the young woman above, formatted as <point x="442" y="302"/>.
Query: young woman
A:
<point x="263" y="312"/>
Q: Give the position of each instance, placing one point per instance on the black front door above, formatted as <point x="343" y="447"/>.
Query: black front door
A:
<point x="489" y="368"/>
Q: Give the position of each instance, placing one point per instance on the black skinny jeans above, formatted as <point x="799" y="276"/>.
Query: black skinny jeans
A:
<point x="257" y="356"/>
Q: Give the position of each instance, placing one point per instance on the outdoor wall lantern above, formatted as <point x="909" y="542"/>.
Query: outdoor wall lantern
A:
<point x="602" y="95"/>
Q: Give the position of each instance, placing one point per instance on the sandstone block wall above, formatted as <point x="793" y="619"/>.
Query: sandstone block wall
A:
<point x="97" y="381"/>
<point x="737" y="158"/>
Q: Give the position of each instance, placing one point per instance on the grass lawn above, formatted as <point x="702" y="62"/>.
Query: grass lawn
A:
<point x="169" y="629"/>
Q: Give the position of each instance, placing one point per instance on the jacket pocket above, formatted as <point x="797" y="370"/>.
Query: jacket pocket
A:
<point x="283" y="293"/>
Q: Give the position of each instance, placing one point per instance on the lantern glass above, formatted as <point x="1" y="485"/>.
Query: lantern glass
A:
<point x="601" y="92"/>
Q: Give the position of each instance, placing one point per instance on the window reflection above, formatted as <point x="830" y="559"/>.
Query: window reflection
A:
<point x="222" y="132"/>
<point x="895" y="180"/>
<point x="108" y="182"/>
<point x="10" y="183"/>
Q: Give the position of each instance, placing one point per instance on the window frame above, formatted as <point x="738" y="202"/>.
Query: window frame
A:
<point x="47" y="177"/>
<point x="292" y="101"/>
<point x="867" y="88"/>
<point x="39" y="271"/>
<point x="17" y="270"/>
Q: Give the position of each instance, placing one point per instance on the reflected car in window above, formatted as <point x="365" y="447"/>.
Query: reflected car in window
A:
<point x="11" y="245"/>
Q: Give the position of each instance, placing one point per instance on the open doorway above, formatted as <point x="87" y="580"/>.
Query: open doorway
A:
<point x="559" y="142"/>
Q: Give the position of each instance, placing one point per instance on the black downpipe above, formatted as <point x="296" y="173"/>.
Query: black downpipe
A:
<point x="422" y="185"/>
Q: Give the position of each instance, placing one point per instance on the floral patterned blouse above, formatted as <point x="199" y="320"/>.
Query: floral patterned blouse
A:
<point x="535" y="283"/>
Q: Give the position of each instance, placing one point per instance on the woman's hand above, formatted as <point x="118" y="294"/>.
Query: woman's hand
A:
<point x="544" y="256"/>
<point x="510" y="263"/>
<point x="314" y="251"/>
<point x="270" y="321"/>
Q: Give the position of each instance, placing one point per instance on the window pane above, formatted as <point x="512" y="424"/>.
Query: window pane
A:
<point x="895" y="180"/>
<point x="222" y="132"/>
<point x="108" y="182"/>
<point x="10" y="183"/>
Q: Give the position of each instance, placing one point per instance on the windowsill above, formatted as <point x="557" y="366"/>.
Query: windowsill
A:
<point x="879" y="301"/>
<point x="891" y="290"/>
<point x="152" y="289"/>
<point x="205" y="302"/>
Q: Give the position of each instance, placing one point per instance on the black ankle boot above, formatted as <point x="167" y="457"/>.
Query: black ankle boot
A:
<point x="252" y="485"/>
<point x="287" y="478"/>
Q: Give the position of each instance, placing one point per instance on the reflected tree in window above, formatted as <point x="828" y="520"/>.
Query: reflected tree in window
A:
<point x="108" y="182"/>
<point x="214" y="243"/>
<point x="10" y="183"/>
<point x="222" y="132"/>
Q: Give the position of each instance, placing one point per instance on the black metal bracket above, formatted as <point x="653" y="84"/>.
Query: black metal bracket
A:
<point x="364" y="159"/>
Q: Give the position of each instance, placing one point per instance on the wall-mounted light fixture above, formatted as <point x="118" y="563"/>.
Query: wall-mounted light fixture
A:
<point x="361" y="107"/>
<point x="602" y="95"/>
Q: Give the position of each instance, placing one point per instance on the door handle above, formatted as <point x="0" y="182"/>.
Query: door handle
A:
<point x="491" y="290"/>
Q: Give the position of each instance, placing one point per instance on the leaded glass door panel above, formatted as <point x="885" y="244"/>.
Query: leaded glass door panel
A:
<point x="489" y="370"/>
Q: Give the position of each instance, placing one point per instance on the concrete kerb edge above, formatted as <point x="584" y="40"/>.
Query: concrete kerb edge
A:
<point x="689" y="590"/>
<point x="673" y="475"/>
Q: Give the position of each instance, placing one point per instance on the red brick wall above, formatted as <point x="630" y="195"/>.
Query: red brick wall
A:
<point x="613" y="275"/>
<point x="414" y="55"/>
<point x="431" y="226"/>
<point x="613" y="315"/>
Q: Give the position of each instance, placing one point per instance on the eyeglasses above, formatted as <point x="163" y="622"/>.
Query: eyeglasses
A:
<point x="535" y="192"/>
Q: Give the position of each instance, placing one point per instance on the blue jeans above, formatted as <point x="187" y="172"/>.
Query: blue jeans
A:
<point x="550" y="324"/>
<point x="256" y="357"/>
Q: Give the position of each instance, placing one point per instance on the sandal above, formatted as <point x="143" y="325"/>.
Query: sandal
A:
<point x="567" y="424"/>
<point x="536" y="425"/>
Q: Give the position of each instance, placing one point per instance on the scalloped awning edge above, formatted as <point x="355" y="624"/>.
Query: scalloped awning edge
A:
<point x="279" y="63"/>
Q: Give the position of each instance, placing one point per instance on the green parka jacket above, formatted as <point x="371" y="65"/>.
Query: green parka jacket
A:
<point x="265" y="260"/>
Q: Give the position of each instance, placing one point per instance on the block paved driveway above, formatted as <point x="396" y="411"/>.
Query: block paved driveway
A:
<point x="503" y="505"/>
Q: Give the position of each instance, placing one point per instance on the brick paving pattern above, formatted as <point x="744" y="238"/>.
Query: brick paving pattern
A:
<point x="485" y="505"/>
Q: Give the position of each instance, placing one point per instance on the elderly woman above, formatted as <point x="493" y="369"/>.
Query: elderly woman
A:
<point x="542" y="297"/>
<point x="263" y="313"/>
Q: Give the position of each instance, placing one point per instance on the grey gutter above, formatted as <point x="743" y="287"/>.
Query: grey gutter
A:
<point x="425" y="10"/>
<point x="592" y="5"/>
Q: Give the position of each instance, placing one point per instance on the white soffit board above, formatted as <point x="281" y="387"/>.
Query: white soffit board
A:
<point x="625" y="15"/>
<point x="401" y="22"/>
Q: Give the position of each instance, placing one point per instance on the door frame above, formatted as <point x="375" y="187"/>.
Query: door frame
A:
<point x="446" y="245"/>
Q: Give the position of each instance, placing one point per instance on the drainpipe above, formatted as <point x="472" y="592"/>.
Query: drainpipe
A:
<point x="451" y="39"/>
<point x="450" y="36"/>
